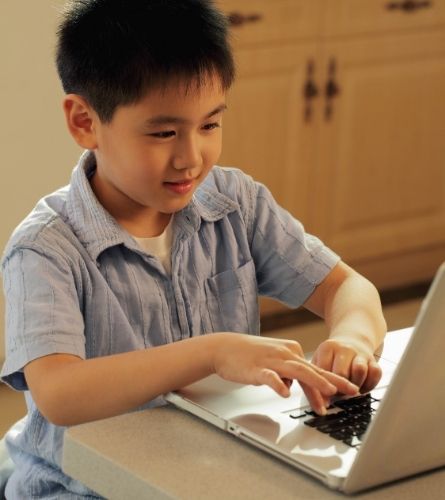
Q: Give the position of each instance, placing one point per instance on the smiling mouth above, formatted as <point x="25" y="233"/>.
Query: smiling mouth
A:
<point x="180" y="187"/>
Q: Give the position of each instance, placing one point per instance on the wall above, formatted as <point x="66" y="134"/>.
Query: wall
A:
<point x="37" y="152"/>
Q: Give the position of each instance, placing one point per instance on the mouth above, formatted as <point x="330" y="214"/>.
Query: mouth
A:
<point x="180" y="187"/>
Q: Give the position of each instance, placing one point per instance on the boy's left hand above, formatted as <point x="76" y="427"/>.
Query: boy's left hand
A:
<point x="354" y="362"/>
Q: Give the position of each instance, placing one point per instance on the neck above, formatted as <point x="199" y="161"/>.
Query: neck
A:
<point x="138" y="220"/>
<point x="142" y="227"/>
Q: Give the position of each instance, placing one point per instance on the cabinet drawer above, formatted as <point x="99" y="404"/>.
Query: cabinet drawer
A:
<point x="257" y="22"/>
<point x="351" y="17"/>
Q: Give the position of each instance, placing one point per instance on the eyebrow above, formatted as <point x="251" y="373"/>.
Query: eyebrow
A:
<point x="169" y="120"/>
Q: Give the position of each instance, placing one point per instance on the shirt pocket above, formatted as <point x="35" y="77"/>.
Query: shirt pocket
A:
<point x="232" y="301"/>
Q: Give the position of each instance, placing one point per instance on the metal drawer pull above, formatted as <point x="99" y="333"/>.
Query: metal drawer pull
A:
<point x="409" y="5"/>
<point x="310" y="91"/>
<point x="239" y="19"/>
<point x="332" y="89"/>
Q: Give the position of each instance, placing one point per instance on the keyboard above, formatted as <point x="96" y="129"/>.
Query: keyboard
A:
<point x="346" y="419"/>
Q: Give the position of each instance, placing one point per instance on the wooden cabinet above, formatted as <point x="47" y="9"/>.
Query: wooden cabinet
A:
<point x="380" y="174"/>
<point x="339" y="107"/>
<point x="372" y="17"/>
<point x="263" y="130"/>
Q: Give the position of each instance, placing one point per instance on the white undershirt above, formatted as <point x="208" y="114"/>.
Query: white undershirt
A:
<point x="159" y="246"/>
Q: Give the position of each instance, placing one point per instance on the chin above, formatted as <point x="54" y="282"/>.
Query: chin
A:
<point x="172" y="209"/>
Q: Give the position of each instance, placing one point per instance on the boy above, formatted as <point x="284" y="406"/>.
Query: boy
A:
<point x="114" y="283"/>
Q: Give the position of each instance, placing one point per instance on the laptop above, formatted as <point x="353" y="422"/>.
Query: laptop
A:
<point x="394" y="431"/>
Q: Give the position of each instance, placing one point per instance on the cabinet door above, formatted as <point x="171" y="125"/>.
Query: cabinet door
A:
<point x="380" y="176"/>
<point x="364" y="17"/>
<point x="264" y="22"/>
<point x="265" y="131"/>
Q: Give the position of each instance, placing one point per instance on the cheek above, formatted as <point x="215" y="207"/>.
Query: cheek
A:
<point x="213" y="151"/>
<point x="145" y="163"/>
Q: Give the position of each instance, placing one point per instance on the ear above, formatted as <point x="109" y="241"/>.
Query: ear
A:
<point x="81" y="120"/>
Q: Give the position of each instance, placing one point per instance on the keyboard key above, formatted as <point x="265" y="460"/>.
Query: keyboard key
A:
<point x="311" y="413"/>
<point x="352" y="441"/>
<point x="318" y="421"/>
<point x="342" y="434"/>
<point x="298" y="414"/>
<point x="334" y="426"/>
<point x="357" y="401"/>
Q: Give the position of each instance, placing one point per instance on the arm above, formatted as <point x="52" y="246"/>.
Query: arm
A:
<point x="351" y="307"/>
<point x="69" y="390"/>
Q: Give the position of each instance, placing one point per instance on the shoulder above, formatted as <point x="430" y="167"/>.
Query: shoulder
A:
<point x="44" y="227"/>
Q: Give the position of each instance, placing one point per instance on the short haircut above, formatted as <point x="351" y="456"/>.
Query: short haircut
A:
<point x="112" y="52"/>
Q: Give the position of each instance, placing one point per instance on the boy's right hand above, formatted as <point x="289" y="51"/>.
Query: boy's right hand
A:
<point x="265" y="361"/>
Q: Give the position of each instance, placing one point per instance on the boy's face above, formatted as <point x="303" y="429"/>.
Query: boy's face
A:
<point x="155" y="153"/>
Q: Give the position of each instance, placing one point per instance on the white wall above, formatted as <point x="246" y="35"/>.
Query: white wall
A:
<point x="37" y="153"/>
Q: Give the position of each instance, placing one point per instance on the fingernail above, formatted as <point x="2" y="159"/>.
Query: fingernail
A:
<point x="322" y="411"/>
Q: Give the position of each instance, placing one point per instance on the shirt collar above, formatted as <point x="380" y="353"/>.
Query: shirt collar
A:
<point x="97" y="230"/>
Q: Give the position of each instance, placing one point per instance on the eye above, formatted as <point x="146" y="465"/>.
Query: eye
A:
<point x="163" y="135"/>
<point x="211" y="126"/>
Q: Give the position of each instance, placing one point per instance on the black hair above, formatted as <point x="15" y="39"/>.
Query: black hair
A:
<point x="112" y="52"/>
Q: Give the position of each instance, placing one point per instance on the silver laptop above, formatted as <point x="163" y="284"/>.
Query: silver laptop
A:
<point x="396" y="430"/>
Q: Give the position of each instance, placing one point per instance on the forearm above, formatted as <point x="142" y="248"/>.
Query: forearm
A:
<point x="354" y="313"/>
<point x="83" y="390"/>
<point x="351" y="308"/>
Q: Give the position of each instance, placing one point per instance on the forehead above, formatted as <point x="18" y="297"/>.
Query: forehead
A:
<point x="181" y="91"/>
<point x="190" y="99"/>
<point x="184" y="88"/>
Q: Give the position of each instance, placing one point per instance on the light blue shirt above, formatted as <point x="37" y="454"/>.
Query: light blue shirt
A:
<point x="76" y="282"/>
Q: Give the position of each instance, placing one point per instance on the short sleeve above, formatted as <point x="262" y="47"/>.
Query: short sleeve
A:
<point x="42" y="312"/>
<point x="290" y="263"/>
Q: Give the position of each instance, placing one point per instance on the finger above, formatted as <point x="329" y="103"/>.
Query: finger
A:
<point x="316" y="400"/>
<point x="342" y="384"/>
<point x="342" y="364"/>
<point x="310" y="375"/>
<point x="327" y="402"/>
<point x="326" y="382"/>
<point x="271" y="378"/>
<point x="373" y="377"/>
<point x="359" y="370"/>
<point x="323" y="358"/>
<point x="287" y="382"/>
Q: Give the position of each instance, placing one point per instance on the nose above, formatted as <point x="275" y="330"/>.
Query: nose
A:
<point x="187" y="154"/>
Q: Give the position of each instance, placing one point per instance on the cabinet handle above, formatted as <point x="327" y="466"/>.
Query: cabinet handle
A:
<point x="409" y="5"/>
<point x="238" y="19"/>
<point x="332" y="89"/>
<point x="310" y="91"/>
